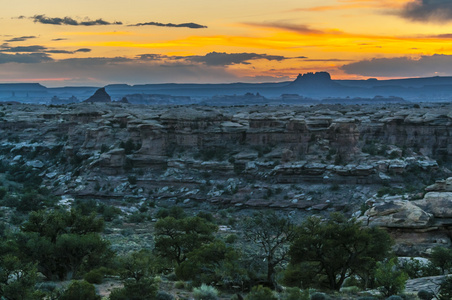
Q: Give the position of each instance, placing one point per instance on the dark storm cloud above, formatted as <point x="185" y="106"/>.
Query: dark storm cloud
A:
<point x="437" y="64"/>
<point x="21" y="38"/>
<point x="437" y="11"/>
<point x="28" y="58"/>
<point x="59" y="39"/>
<point x="70" y="21"/>
<point x="186" y="25"/>
<point x="225" y="59"/>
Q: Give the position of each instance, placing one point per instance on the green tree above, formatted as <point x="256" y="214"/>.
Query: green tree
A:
<point x="442" y="258"/>
<point x="137" y="270"/>
<point x="79" y="290"/>
<point x="389" y="279"/>
<point x="140" y="264"/>
<point x="63" y="243"/>
<point x="273" y="235"/>
<point x="445" y="289"/>
<point x="17" y="279"/>
<point x="175" y="238"/>
<point x="211" y="264"/>
<point x="331" y="251"/>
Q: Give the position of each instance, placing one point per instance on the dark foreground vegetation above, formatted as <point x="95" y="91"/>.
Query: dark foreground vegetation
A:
<point x="269" y="258"/>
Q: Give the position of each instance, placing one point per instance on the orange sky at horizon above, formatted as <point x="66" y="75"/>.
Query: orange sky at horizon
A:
<point x="80" y="43"/>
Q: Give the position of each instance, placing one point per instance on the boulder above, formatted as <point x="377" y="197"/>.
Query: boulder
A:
<point x="397" y="214"/>
<point x="439" y="204"/>
<point x="441" y="186"/>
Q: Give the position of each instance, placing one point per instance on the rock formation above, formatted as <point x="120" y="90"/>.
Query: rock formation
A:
<point x="100" y="96"/>
<point x="418" y="225"/>
<point x="299" y="158"/>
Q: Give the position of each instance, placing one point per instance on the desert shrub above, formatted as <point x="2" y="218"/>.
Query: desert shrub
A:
<point x="162" y="213"/>
<point x="261" y="293"/>
<point x="110" y="212"/>
<point x="445" y="289"/>
<point x="132" y="179"/>
<point x="295" y="294"/>
<point x="206" y="216"/>
<point x="176" y="212"/>
<point x="319" y="296"/>
<point x="80" y="290"/>
<point x="394" y="297"/>
<point x="161" y="295"/>
<point x="205" y="292"/>
<point x="142" y="289"/>
<point x="350" y="289"/>
<point x="94" y="276"/>
<point x="137" y="217"/>
<point x="129" y="146"/>
<point x="417" y="269"/>
<point x="442" y="258"/>
<point x="47" y="286"/>
<point x="231" y="238"/>
<point x="179" y="284"/>
<point x="425" y="295"/>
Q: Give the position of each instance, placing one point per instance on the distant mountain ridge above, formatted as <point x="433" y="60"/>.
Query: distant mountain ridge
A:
<point x="317" y="85"/>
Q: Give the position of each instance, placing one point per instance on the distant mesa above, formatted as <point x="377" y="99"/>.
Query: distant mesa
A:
<point x="99" y="96"/>
<point x="58" y="101"/>
<point x="313" y="78"/>
<point x="124" y="100"/>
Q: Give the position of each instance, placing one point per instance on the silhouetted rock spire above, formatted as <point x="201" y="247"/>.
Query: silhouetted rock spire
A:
<point x="99" y="96"/>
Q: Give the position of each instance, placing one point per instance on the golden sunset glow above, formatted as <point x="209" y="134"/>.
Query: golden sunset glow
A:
<point x="240" y="39"/>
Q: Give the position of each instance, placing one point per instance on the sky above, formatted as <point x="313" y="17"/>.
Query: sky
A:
<point x="95" y="43"/>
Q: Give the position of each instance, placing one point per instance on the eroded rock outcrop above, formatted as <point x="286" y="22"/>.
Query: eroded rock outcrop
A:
<point x="278" y="148"/>
<point x="417" y="225"/>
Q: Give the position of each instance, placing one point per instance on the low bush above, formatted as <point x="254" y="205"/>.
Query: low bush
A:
<point x="425" y="295"/>
<point x="94" y="276"/>
<point x="205" y="292"/>
<point x="80" y="290"/>
<point x="261" y="293"/>
<point x="161" y="295"/>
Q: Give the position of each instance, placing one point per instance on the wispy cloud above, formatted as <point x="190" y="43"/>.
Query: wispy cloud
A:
<point x="27" y="58"/>
<point x="70" y="21"/>
<point x="38" y="49"/>
<point x="327" y="60"/>
<point x="21" y="38"/>
<point x="299" y="28"/>
<point x="186" y="25"/>
<point x="225" y="59"/>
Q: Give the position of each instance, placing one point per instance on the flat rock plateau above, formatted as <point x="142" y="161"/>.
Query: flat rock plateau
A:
<point x="376" y="162"/>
